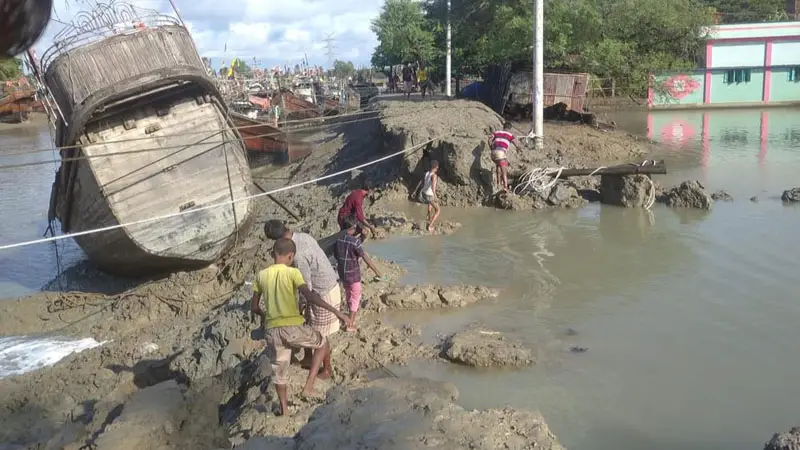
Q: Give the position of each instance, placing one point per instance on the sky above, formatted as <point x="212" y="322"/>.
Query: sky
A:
<point x="274" y="32"/>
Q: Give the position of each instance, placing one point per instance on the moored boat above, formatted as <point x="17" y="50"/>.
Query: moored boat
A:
<point x="144" y="134"/>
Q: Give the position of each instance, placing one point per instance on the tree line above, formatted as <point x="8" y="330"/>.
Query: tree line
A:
<point x="619" y="39"/>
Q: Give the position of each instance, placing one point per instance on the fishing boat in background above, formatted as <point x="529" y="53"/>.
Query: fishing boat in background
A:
<point x="265" y="143"/>
<point x="144" y="133"/>
<point x="18" y="99"/>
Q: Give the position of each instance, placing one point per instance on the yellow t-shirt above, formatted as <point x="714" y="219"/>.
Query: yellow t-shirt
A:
<point x="278" y="285"/>
<point x="422" y="75"/>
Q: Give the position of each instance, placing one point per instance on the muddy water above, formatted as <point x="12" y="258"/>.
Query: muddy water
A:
<point x="24" y="197"/>
<point x="690" y="318"/>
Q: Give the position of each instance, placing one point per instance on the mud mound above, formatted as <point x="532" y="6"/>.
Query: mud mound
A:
<point x="461" y="129"/>
<point x="406" y="414"/>
<point x="785" y="441"/>
<point x="689" y="194"/>
<point x="791" y="195"/>
<point x="424" y="297"/>
<point x="396" y="224"/>
<point x="484" y="348"/>
<point x="630" y="191"/>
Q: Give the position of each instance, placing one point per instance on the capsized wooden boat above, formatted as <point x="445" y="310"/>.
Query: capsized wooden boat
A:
<point x="135" y="102"/>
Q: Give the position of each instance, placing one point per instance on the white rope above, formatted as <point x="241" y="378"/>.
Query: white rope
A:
<point x="534" y="180"/>
<point x="217" y="205"/>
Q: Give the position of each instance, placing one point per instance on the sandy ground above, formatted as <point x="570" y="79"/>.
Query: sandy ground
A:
<point x="182" y="368"/>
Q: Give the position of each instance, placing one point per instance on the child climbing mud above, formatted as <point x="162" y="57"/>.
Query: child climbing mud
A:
<point x="500" y="142"/>
<point x="285" y="327"/>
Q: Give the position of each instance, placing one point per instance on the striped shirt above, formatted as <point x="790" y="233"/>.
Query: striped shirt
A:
<point x="502" y="140"/>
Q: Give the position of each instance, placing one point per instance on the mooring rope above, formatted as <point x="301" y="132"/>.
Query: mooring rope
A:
<point x="224" y="203"/>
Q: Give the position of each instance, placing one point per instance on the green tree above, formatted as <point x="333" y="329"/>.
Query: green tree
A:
<point x="404" y="34"/>
<point x="343" y="68"/>
<point x="242" y="68"/>
<point x="10" y="69"/>
<point x="622" y="39"/>
<point x="743" y="11"/>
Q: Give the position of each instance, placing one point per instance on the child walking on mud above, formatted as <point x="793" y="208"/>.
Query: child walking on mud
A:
<point x="285" y="328"/>
<point x="500" y="141"/>
<point x="428" y="195"/>
<point x="347" y="251"/>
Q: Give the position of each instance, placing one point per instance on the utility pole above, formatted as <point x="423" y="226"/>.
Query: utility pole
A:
<point x="330" y="46"/>
<point x="538" y="72"/>
<point x="449" y="64"/>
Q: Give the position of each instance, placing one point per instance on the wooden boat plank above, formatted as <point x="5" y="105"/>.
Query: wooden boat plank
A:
<point x="198" y="176"/>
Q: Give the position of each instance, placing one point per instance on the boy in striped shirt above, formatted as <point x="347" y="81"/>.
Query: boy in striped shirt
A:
<point x="500" y="142"/>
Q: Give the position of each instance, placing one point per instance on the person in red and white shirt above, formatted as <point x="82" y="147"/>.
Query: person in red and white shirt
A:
<point x="500" y="141"/>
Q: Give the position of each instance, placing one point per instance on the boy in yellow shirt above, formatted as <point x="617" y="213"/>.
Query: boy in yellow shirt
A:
<point x="285" y="327"/>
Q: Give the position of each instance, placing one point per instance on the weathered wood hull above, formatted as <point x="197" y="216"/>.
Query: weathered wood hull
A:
<point x="155" y="145"/>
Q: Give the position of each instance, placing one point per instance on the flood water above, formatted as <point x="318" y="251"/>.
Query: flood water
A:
<point x="690" y="318"/>
<point x="24" y="201"/>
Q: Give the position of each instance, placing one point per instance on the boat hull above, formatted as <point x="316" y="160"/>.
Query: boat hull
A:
<point x="161" y="171"/>
<point x="183" y="179"/>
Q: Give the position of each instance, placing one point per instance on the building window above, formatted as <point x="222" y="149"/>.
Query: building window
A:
<point x="736" y="76"/>
<point x="794" y="74"/>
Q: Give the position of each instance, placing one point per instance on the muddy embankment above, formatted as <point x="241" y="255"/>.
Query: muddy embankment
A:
<point x="181" y="365"/>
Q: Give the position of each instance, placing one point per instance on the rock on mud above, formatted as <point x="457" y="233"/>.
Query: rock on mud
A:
<point x="785" y="441"/>
<point x="484" y="348"/>
<point x="689" y="194"/>
<point x="512" y="202"/>
<point x="428" y="296"/>
<point x="791" y="195"/>
<point x="561" y="195"/>
<point x="564" y="195"/>
<point x="722" y="196"/>
<point x="630" y="191"/>
<point x="396" y="224"/>
<point x="400" y="414"/>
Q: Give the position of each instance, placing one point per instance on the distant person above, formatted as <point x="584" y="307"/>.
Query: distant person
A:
<point x="354" y="206"/>
<point x="422" y="78"/>
<point x="500" y="141"/>
<point x="320" y="277"/>
<point x="348" y="250"/>
<point x="279" y="284"/>
<point x="428" y="193"/>
<point x="408" y="80"/>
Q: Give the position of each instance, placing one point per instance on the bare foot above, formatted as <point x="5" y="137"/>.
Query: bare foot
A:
<point x="430" y="228"/>
<point x="326" y="375"/>
<point x="351" y="329"/>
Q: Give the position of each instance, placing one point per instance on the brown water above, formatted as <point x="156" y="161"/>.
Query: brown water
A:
<point x="24" y="200"/>
<point x="691" y="318"/>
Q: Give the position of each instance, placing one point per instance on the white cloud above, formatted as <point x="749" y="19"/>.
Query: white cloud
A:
<point x="272" y="31"/>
